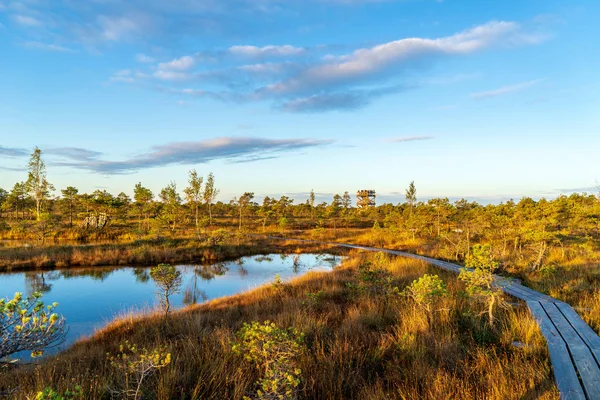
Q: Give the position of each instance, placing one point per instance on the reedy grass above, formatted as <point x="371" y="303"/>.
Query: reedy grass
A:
<point x="354" y="348"/>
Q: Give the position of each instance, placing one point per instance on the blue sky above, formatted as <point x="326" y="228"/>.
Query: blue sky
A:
<point x="488" y="100"/>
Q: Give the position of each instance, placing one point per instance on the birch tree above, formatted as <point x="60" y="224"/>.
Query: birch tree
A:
<point x="37" y="185"/>
<point x="194" y="195"/>
<point x="210" y="194"/>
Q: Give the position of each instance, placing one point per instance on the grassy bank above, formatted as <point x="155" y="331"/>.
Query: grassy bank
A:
<point x="358" y="345"/>
<point x="220" y="246"/>
<point x="571" y="272"/>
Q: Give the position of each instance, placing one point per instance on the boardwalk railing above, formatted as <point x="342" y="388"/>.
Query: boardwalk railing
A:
<point x="574" y="347"/>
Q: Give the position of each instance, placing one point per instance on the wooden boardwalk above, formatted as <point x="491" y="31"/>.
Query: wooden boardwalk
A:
<point x="574" y="347"/>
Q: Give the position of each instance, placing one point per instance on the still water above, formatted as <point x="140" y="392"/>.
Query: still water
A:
<point x="90" y="297"/>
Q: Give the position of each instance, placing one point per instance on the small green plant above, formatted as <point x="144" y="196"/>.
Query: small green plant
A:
<point x="29" y="324"/>
<point x="480" y="282"/>
<point x="375" y="281"/>
<point x="278" y="284"/>
<point x="135" y="364"/>
<point x="426" y="291"/>
<point x="168" y="281"/>
<point x="274" y="352"/>
<point x="313" y="300"/>
<point x="549" y="270"/>
<point x="51" y="394"/>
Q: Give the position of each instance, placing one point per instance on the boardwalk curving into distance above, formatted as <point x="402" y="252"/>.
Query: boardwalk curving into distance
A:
<point x="574" y="347"/>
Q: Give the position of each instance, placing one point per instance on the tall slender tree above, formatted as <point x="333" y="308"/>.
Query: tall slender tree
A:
<point x="143" y="197"/>
<point x="17" y="199"/>
<point x="37" y="185"/>
<point x="311" y="203"/>
<point x="69" y="195"/>
<point x="171" y="204"/>
<point x="3" y="197"/>
<point x="411" y="195"/>
<point x="243" y="203"/>
<point x="210" y="194"/>
<point x="194" y="194"/>
<point x="346" y="201"/>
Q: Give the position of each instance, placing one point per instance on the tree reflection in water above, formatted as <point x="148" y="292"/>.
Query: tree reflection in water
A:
<point x="208" y="272"/>
<point x="141" y="275"/>
<point x="36" y="282"/>
<point x="240" y="266"/>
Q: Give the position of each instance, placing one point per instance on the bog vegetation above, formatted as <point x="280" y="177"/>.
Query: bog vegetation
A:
<point x="375" y="328"/>
<point x="347" y="334"/>
<point x="551" y="245"/>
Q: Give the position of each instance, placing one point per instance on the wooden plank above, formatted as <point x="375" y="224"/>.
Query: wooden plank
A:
<point x="587" y="334"/>
<point x="541" y="296"/>
<point x="565" y="374"/>
<point x="524" y="293"/>
<point x="584" y="360"/>
<point x="518" y="294"/>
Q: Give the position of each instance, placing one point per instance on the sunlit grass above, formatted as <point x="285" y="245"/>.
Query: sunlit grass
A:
<point x="354" y="348"/>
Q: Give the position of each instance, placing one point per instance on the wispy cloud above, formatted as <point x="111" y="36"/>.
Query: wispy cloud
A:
<point x="124" y="75"/>
<point x="231" y="149"/>
<point x="395" y="57"/>
<point x="179" y="64"/>
<point x="588" y="189"/>
<point x="302" y="82"/>
<point x="144" y="59"/>
<point x="74" y="153"/>
<point x="266" y="51"/>
<point x="403" y="139"/>
<point x="116" y="28"/>
<point x="47" y="47"/>
<point x="12" y="152"/>
<point x="347" y="100"/>
<point x="504" y="90"/>
<point x="27" y="21"/>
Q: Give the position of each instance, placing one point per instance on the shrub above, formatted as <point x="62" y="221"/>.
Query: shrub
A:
<point x="273" y="351"/>
<point x="313" y="300"/>
<point x="28" y="324"/>
<point x="135" y="365"/>
<point x="480" y="282"/>
<point x="426" y="291"/>
<point x="168" y="280"/>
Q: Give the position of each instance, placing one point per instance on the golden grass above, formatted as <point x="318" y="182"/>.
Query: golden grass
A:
<point x="354" y="348"/>
<point x="141" y="252"/>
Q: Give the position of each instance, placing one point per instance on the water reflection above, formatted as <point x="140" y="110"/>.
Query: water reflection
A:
<point x="90" y="297"/>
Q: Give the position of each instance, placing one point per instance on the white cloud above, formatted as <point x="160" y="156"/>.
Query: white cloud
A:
<point x="503" y="90"/>
<point x="232" y="149"/>
<point x="261" y="68"/>
<point x="179" y="64"/>
<point x="403" y="139"/>
<point x="124" y="75"/>
<point x="174" y="70"/>
<point x="27" y="21"/>
<point x="346" y="81"/>
<point x="47" y="47"/>
<point x="254" y="51"/>
<point x="366" y="62"/>
<point x="117" y="28"/>
<point x="144" y="59"/>
<point x="168" y="75"/>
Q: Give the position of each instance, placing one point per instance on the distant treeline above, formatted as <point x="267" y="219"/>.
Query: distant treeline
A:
<point x="527" y="228"/>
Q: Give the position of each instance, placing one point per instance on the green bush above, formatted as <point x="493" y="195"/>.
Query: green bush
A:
<point x="426" y="291"/>
<point x="136" y="364"/>
<point x="274" y="352"/>
<point x="50" y="394"/>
